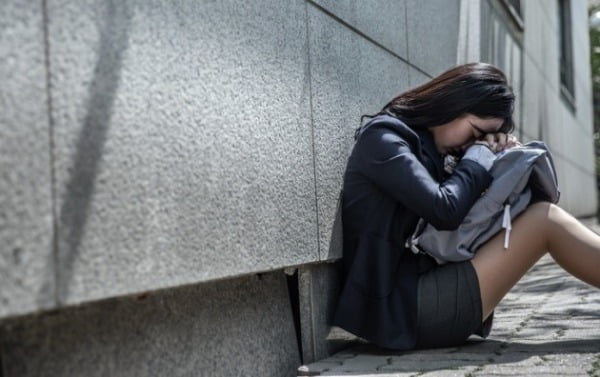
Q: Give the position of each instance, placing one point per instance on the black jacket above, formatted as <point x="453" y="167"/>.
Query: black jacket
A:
<point x="392" y="178"/>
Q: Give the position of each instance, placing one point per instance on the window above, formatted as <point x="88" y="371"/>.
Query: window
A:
<point x="516" y="5"/>
<point x="501" y="44"/>
<point x="514" y="9"/>
<point x="567" y="87"/>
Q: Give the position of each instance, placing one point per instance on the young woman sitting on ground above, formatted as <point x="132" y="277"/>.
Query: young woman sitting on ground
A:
<point x="395" y="175"/>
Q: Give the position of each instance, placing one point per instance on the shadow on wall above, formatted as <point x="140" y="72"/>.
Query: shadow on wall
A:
<point x="79" y="190"/>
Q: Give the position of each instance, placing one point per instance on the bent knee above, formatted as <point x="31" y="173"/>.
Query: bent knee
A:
<point x="540" y="212"/>
<point x="543" y="207"/>
<point x="544" y="213"/>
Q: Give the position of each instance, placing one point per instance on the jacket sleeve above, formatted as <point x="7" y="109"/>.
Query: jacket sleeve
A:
<point x="387" y="161"/>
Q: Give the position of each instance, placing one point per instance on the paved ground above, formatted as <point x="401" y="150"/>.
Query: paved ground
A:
<point x="548" y="325"/>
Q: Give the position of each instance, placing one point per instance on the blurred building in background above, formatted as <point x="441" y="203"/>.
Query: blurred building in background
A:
<point x="170" y="171"/>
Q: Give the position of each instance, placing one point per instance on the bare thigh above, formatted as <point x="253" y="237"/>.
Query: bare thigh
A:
<point x="499" y="269"/>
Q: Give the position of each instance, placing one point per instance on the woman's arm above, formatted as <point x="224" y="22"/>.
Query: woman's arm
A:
<point x="388" y="162"/>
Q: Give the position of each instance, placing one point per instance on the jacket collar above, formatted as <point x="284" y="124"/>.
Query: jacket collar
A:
<point x="421" y="138"/>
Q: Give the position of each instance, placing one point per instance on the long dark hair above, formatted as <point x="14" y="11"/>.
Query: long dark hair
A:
<point x="480" y="89"/>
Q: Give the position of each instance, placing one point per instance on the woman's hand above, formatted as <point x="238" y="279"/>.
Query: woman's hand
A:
<point x="500" y="141"/>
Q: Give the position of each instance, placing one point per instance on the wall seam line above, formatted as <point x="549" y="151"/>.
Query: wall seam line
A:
<point x="49" y="107"/>
<point x="312" y="125"/>
<point x="406" y="38"/>
<point x="368" y="38"/>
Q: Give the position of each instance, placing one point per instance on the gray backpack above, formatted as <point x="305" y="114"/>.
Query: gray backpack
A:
<point x="520" y="174"/>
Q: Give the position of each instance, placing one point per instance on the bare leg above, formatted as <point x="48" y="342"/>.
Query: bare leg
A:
<point x="542" y="228"/>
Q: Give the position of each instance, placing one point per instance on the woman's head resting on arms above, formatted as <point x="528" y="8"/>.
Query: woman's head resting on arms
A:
<point x="459" y="106"/>
<point x="457" y="135"/>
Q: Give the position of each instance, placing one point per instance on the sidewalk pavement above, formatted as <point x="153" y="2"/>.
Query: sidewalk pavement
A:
<point x="547" y="325"/>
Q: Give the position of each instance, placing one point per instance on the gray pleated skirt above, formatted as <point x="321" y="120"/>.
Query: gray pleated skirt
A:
<point x="449" y="306"/>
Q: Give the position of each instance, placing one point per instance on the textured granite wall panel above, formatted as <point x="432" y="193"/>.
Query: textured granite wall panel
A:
<point x="433" y="34"/>
<point x="183" y="142"/>
<point x="237" y="327"/>
<point x="384" y="21"/>
<point x="350" y="76"/>
<point x="416" y="78"/>
<point x="26" y="264"/>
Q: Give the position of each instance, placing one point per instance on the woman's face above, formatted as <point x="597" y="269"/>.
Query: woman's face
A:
<point x="456" y="136"/>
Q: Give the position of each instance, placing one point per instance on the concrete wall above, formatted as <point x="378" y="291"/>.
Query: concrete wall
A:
<point x="183" y="148"/>
<point x="26" y="222"/>
<point x="150" y="151"/>
<point x="238" y="327"/>
<point x="180" y="144"/>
